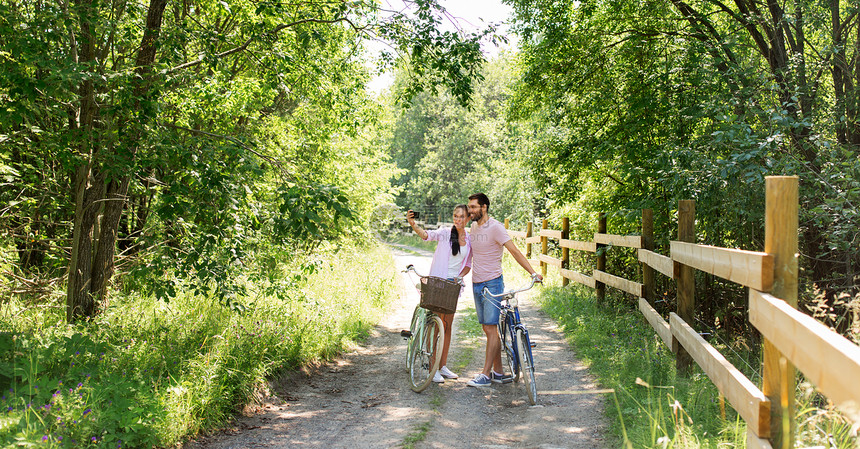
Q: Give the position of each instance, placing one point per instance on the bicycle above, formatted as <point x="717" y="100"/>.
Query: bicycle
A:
<point x="426" y="329"/>
<point x="516" y="345"/>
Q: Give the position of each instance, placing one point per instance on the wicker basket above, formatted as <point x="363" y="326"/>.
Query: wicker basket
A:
<point x="439" y="295"/>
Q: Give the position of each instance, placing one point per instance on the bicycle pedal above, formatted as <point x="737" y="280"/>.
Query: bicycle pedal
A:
<point x="405" y="333"/>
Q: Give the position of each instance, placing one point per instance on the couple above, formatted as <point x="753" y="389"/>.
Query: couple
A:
<point x="481" y="253"/>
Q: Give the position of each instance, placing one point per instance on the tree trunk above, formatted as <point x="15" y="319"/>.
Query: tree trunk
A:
<point x="94" y="243"/>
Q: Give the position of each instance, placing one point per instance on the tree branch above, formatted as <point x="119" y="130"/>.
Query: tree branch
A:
<point x="237" y="142"/>
<point x="276" y="30"/>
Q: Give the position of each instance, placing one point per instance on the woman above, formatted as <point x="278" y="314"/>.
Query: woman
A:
<point x="452" y="260"/>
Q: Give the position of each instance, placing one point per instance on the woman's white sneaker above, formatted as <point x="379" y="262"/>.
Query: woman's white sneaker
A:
<point x="448" y="374"/>
<point x="438" y="378"/>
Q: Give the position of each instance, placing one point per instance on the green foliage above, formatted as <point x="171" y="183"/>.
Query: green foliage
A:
<point x="448" y="152"/>
<point x="222" y="127"/>
<point x="148" y="373"/>
<point x="638" y="105"/>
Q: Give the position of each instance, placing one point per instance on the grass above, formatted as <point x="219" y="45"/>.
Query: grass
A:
<point x="149" y="373"/>
<point x="655" y="407"/>
<point x="410" y="240"/>
<point x="470" y="338"/>
<point x="418" y="434"/>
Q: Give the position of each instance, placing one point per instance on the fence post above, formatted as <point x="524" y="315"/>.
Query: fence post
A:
<point x="528" y="245"/>
<point x="648" y="276"/>
<point x="600" y="287"/>
<point x="565" y="252"/>
<point x="544" y="247"/>
<point x="780" y="240"/>
<point x="686" y="283"/>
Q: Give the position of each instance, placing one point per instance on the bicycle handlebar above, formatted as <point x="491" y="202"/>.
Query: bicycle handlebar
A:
<point x="411" y="268"/>
<point x="511" y="293"/>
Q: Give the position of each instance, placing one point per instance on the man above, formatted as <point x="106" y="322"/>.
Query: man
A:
<point x="489" y="238"/>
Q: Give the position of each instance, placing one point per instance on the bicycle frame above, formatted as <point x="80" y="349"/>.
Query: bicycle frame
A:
<point x="513" y="322"/>
<point x="424" y="341"/>
<point x="511" y="328"/>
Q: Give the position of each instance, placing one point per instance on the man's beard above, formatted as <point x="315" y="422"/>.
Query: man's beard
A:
<point x="477" y="216"/>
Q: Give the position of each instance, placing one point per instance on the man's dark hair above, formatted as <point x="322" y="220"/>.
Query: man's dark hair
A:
<point x="482" y="199"/>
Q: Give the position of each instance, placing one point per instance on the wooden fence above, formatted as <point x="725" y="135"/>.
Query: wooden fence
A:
<point x="792" y="340"/>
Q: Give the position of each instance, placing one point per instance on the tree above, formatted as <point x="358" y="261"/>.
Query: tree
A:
<point x="448" y="151"/>
<point x="677" y="99"/>
<point x="108" y="90"/>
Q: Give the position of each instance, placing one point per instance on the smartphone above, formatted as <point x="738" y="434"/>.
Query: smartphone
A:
<point x="414" y="215"/>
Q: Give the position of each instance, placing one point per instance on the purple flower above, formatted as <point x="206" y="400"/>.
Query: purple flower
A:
<point x="45" y="438"/>
<point x="80" y="385"/>
<point x="94" y="439"/>
<point x="60" y="438"/>
<point x="87" y="411"/>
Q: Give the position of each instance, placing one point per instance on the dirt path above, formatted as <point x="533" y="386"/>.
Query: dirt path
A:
<point x="363" y="398"/>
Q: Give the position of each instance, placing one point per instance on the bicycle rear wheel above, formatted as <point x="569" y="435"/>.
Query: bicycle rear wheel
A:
<point x="427" y="351"/>
<point x="527" y="364"/>
<point x="506" y="335"/>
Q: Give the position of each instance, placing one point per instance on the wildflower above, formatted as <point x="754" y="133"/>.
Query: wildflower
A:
<point x="80" y="385"/>
<point x="94" y="439"/>
<point x="87" y="411"/>
<point x="45" y="438"/>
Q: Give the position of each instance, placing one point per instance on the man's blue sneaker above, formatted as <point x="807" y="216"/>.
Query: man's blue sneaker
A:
<point x="479" y="381"/>
<point x="501" y="378"/>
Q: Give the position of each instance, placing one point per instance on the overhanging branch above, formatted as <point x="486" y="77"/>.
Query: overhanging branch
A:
<point x="276" y="30"/>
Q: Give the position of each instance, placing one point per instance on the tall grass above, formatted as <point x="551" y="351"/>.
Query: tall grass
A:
<point x="410" y="240"/>
<point x="149" y="373"/>
<point x="656" y="407"/>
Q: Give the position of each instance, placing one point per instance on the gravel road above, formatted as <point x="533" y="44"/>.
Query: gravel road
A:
<point x="363" y="400"/>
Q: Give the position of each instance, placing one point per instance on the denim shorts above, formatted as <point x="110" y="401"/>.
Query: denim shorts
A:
<point x="487" y="308"/>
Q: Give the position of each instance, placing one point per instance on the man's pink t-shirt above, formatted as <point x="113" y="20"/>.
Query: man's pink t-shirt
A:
<point x="487" y="247"/>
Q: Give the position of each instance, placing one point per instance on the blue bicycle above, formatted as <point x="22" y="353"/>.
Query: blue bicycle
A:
<point x="516" y="345"/>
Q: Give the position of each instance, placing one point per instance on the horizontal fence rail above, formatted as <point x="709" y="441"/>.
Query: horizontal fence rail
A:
<point x="792" y="339"/>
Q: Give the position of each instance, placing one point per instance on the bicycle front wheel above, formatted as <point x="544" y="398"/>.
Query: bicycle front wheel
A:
<point x="426" y="353"/>
<point x="417" y="316"/>
<point x="527" y="364"/>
